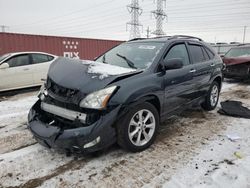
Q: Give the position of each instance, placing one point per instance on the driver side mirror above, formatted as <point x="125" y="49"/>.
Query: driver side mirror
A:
<point x="4" y="66"/>
<point x="174" y="63"/>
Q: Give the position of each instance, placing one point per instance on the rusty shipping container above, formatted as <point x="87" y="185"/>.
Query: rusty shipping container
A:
<point x="82" y="48"/>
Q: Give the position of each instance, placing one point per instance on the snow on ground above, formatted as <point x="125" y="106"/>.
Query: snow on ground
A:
<point x="222" y="163"/>
<point x="191" y="150"/>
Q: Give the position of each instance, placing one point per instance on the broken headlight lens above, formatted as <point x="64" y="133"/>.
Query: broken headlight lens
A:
<point x="43" y="92"/>
<point x="98" y="99"/>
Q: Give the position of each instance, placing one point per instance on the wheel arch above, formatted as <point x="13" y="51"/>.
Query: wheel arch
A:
<point x="150" y="98"/>
<point x="218" y="79"/>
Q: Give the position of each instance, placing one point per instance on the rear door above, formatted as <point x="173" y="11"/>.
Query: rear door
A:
<point x="40" y="66"/>
<point x="203" y="67"/>
<point x="179" y="82"/>
<point x="18" y="74"/>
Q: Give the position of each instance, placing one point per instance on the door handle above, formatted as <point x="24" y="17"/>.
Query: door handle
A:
<point x="192" y="71"/>
<point x="212" y="65"/>
<point x="25" y="69"/>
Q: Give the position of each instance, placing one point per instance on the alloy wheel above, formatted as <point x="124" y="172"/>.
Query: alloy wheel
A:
<point x="141" y="127"/>
<point x="214" y="95"/>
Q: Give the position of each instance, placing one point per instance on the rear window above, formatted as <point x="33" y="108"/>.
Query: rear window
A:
<point x="205" y="53"/>
<point x="196" y="53"/>
<point x="210" y="54"/>
<point x="41" y="58"/>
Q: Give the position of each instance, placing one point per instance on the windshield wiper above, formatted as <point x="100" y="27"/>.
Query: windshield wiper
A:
<point x="129" y="62"/>
<point x="104" y="59"/>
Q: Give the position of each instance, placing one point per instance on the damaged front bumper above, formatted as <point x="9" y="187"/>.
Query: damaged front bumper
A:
<point x="241" y="71"/>
<point x="49" y="132"/>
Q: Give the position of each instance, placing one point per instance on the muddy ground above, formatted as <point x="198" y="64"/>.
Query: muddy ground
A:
<point x="24" y="163"/>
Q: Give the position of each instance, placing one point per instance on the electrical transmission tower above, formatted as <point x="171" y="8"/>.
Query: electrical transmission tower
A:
<point x="159" y="15"/>
<point x="135" y="11"/>
<point x="3" y="28"/>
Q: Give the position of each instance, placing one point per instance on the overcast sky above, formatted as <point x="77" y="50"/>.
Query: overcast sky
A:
<point x="212" y="20"/>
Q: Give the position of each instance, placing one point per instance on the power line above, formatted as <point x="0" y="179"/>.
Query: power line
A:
<point x="68" y="14"/>
<point x="109" y="15"/>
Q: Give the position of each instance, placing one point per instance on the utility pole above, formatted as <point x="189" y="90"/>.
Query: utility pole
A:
<point x="159" y="15"/>
<point x="148" y="32"/>
<point x="3" y="28"/>
<point x="135" y="11"/>
<point x="244" y="34"/>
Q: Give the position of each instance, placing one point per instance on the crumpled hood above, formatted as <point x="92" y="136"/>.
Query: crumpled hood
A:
<point x="236" y="60"/>
<point x="86" y="76"/>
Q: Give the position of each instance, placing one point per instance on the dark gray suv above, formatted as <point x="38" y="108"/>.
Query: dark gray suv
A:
<point x="124" y="95"/>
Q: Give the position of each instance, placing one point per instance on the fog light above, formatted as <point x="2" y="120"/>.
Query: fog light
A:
<point x="92" y="143"/>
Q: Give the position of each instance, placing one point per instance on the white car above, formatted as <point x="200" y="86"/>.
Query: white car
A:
<point x="24" y="69"/>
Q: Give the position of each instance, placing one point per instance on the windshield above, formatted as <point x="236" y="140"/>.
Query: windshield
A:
<point x="132" y="55"/>
<point x="4" y="56"/>
<point x="238" y="52"/>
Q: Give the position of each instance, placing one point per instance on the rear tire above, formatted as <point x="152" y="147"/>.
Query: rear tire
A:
<point x="137" y="130"/>
<point x="212" y="97"/>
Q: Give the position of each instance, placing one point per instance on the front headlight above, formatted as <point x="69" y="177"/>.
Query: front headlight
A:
<point x="98" y="99"/>
<point x="42" y="92"/>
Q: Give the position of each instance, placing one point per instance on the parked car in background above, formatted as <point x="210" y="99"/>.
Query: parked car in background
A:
<point x="24" y="69"/>
<point x="123" y="96"/>
<point x="237" y="61"/>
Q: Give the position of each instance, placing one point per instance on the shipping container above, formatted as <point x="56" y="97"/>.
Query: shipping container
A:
<point x="82" y="48"/>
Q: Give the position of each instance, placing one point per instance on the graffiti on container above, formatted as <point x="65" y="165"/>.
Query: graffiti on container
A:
<point x="70" y="49"/>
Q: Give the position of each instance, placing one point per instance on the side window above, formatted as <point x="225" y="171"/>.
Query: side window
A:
<point x="17" y="61"/>
<point x="178" y="51"/>
<point x="210" y="54"/>
<point x="205" y="54"/>
<point x="40" y="58"/>
<point x="196" y="53"/>
<point x="50" y="58"/>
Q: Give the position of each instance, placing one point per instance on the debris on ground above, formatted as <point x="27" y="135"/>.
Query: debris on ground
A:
<point x="238" y="155"/>
<point x="233" y="137"/>
<point x="234" y="109"/>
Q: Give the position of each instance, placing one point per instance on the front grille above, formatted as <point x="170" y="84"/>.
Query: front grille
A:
<point x="60" y="90"/>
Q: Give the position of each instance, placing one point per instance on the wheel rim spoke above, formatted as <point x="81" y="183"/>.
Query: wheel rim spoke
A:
<point x="138" y="140"/>
<point x="151" y="125"/>
<point x="146" y="118"/>
<point x="140" y="115"/>
<point x="134" y="133"/>
<point x="146" y="136"/>
<point x="133" y="123"/>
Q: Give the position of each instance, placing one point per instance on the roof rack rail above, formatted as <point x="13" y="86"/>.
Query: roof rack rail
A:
<point x="185" y="37"/>
<point x="136" y="39"/>
<point x="243" y="44"/>
<point x="162" y="36"/>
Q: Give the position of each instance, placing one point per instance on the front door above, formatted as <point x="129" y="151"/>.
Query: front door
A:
<point x="179" y="82"/>
<point x="18" y="74"/>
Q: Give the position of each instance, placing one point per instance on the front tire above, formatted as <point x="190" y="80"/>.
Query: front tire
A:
<point x="212" y="97"/>
<point x="137" y="130"/>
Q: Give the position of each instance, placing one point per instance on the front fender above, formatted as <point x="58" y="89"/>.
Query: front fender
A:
<point x="135" y="91"/>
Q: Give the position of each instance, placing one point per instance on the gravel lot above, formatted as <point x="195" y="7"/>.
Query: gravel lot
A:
<point x="191" y="150"/>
